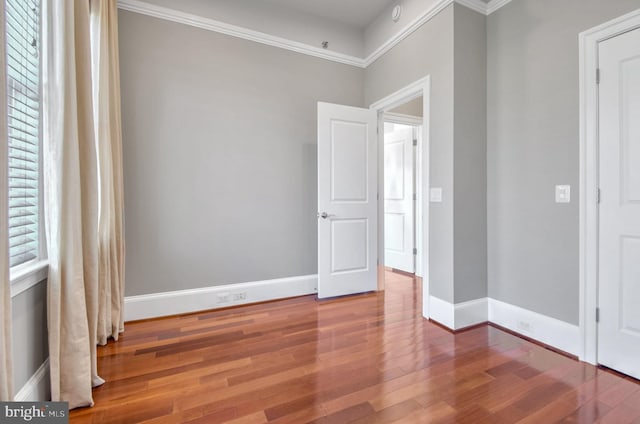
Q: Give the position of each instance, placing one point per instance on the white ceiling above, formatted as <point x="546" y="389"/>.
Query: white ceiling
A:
<point x="357" y="13"/>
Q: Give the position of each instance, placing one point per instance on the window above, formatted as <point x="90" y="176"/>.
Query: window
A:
<point x="23" y="122"/>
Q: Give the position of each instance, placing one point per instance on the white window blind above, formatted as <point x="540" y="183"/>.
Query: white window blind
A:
<point x="23" y="121"/>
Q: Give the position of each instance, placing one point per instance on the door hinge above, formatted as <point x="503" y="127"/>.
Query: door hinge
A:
<point x="415" y="196"/>
<point x="598" y="76"/>
<point x="415" y="141"/>
<point x="597" y="314"/>
<point x="415" y="250"/>
<point x="598" y="195"/>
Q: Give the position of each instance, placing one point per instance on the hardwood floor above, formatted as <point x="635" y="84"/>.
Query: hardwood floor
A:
<point x="364" y="359"/>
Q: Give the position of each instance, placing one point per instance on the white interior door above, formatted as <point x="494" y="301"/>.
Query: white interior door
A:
<point x="399" y="240"/>
<point x="619" y="251"/>
<point x="347" y="200"/>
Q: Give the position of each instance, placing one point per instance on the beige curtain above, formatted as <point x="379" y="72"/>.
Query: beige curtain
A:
<point x="6" y="375"/>
<point x="83" y="190"/>
<point x="71" y="200"/>
<point x="106" y="106"/>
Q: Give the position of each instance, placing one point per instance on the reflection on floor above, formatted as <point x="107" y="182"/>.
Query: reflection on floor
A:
<point x="366" y="359"/>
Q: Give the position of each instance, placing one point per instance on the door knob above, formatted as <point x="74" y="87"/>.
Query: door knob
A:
<point x="324" y="215"/>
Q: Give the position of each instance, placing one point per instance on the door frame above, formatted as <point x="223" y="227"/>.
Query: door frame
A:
<point x="588" y="262"/>
<point x="421" y="87"/>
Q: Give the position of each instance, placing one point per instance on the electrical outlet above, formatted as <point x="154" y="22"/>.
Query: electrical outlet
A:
<point x="524" y="326"/>
<point x="223" y="298"/>
<point x="563" y="194"/>
<point x="239" y="296"/>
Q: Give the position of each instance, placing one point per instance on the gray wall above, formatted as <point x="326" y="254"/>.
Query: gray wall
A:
<point x="219" y="140"/>
<point x="412" y="107"/>
<point x="30" y="343"/>
<point x="215" y="127"/>
<point x="428" y="51"/>
<point x="470" y="153"/>
<point x="533" y="141"/>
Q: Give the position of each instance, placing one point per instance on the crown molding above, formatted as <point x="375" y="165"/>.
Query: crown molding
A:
<point x="407" y="31"/>
<point x="173" y="15"/>
<point x="236" y="31"/>
<point x="477" y="5"/>
<point x="494" y="5"/>
<point x="482" y="7"/>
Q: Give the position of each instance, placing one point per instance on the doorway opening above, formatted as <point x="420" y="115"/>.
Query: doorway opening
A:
<point x="350" y="199"/>
<point x="393" y="109"/>
<point x="402" y="193"/>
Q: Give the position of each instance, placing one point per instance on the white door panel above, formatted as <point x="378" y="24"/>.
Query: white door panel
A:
<point x="398" y="200"/>
<point x="347" y="200"/>
<point x="619" y="179"/>
<point x="348" y="161"/>
<point x="349" y="245"/>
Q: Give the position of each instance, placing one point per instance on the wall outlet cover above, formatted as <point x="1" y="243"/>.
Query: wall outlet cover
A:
<point x="435" y="194"/>
<point x="563" y="194"/>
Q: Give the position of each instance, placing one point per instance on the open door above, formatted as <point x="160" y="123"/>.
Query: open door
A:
<point x="399" y="241"/>
<point x="619" y="208"/>
<point x="347" y="200"/>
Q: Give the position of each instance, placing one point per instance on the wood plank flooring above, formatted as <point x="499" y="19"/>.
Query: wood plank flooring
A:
<point x="363" y="359"/>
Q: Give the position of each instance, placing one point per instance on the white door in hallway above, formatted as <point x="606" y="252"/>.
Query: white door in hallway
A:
<point x="399" y="240"/>
<point x="347" y="200"/>
<point x="619" y="225"/>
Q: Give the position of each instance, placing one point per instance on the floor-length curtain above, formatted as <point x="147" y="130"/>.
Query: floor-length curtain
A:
<point x="107" y="117"/>
<point x="6" y="375"/>
<point x="71" y="200"/>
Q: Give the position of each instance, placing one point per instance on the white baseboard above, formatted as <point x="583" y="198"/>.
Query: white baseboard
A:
<point x="547" y="330"/>
<point x="193" y="300"/>
<point x="460" y="315"/>
<point x="37" y="388"/>
<point x="442" y="312"/>
<point x="550" y="331"/>
<point x="471" y="313"/>
<point x="553" y="332"/>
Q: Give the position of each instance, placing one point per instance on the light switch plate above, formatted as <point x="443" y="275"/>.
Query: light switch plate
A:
<point x="435" y="194"/>
<point x="563" y="194"/>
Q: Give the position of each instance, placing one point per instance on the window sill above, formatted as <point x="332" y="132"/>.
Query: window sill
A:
<point x="27" y="277"/>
